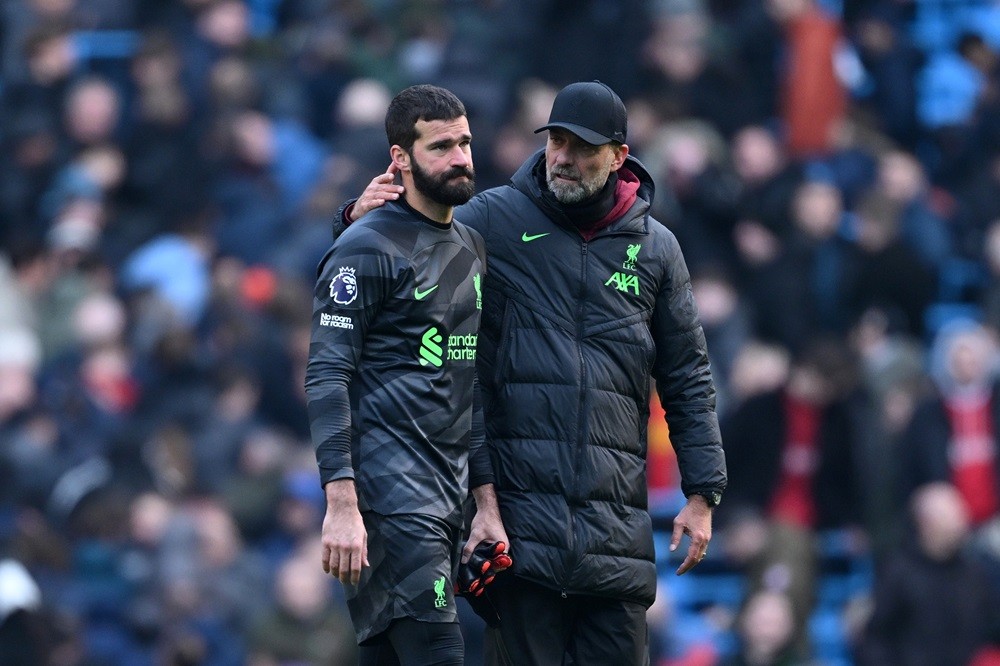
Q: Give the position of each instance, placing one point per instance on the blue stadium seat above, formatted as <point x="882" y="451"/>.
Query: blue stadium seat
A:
<point x="939" y="315"/>
<point x="844" y="575"/>
<point x="105" y="44"/>
<point x="959" y="278"/>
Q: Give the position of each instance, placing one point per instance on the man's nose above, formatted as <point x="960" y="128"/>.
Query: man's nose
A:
<point x="563" y="157"/>
<point x="460" y="157"/>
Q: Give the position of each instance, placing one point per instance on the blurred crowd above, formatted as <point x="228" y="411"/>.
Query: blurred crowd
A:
<point x="169" y="173"/>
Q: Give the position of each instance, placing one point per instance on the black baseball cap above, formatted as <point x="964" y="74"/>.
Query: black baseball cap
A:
<point x="592" y="111"/>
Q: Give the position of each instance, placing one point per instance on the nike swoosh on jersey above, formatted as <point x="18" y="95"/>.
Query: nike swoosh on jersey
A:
<point x="527" y="239"/>
<point x="419" y="295"/>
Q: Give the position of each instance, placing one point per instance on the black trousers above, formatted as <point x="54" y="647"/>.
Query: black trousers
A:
<point x="540" y="627"/>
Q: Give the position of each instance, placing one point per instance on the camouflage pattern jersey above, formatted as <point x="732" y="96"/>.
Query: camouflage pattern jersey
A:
<point x="391" y="373"/>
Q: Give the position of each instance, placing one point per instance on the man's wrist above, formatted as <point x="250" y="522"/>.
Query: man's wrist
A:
<point x="341" y="494"/>
<point x="711" y="498"/>
<point x="485" y="496"/>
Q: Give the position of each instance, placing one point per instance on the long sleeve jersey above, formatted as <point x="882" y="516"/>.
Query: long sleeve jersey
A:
<point x="391" y="375"/>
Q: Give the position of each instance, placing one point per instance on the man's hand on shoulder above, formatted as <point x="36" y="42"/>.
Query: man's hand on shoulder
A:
<point x="382" y="189"/>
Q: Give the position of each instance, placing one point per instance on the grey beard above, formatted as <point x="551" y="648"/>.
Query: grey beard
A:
<point x="572" y="193"/>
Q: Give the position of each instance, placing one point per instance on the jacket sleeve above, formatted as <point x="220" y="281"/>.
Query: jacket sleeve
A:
<point x="684" y="379"/>
<point x="342" y="316"/>
<point x="480" y="468"/>
<point x="475" y="214"/>
<point x="341" y="220"/>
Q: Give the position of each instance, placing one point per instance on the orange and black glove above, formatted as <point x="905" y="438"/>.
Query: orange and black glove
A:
<point x="487" y="560"/>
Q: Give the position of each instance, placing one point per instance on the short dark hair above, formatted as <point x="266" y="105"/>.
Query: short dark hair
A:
<point x="419" y="102"/>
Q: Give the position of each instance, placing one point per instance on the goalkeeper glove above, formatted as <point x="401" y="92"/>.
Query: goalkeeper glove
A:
<point x="487" y="560"/>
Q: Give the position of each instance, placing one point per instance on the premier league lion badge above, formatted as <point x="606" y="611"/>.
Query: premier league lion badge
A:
<point x="344" y="287"/>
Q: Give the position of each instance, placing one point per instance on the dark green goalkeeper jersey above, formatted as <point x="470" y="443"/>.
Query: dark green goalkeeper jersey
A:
<point x="391" y="376"/>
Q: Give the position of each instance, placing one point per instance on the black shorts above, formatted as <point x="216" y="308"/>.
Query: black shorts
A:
<point x="413" y="559"/>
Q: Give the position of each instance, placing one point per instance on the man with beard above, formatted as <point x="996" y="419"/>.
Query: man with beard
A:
<point x="391" y="388"/>
<point x="586" y="299"/>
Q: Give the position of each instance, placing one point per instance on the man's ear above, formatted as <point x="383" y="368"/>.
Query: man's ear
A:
<point x="400" y="158"/>
<point x="621" y="152"/>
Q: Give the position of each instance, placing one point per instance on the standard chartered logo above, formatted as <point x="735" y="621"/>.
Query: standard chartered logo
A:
<point x="462" y="347"/>
<point x="430" y="348"/>
<point x="459" y="348"/>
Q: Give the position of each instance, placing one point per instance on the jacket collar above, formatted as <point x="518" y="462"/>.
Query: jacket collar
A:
<point x="634" y="221"/>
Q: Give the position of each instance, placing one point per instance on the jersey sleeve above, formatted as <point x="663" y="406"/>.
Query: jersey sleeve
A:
<point x="353" y="283"/>
<point x="480" y="467"/>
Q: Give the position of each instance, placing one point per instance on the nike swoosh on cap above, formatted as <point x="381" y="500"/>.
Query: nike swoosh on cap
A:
<point x="419" y="295"/>
<point x="527" y="239"/>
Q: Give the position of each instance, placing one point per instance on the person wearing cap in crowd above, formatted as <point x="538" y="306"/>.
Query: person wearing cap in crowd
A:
<point x="587" y="297"/>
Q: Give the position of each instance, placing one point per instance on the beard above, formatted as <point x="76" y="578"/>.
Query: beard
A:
<point x="440" y="189"/>
<point x="580" y="189"/>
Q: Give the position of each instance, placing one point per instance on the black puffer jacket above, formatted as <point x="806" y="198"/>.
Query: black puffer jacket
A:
<point x="572" y="331"/>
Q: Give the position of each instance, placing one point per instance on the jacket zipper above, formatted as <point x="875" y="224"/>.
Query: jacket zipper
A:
<point x="582" y="414"/>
